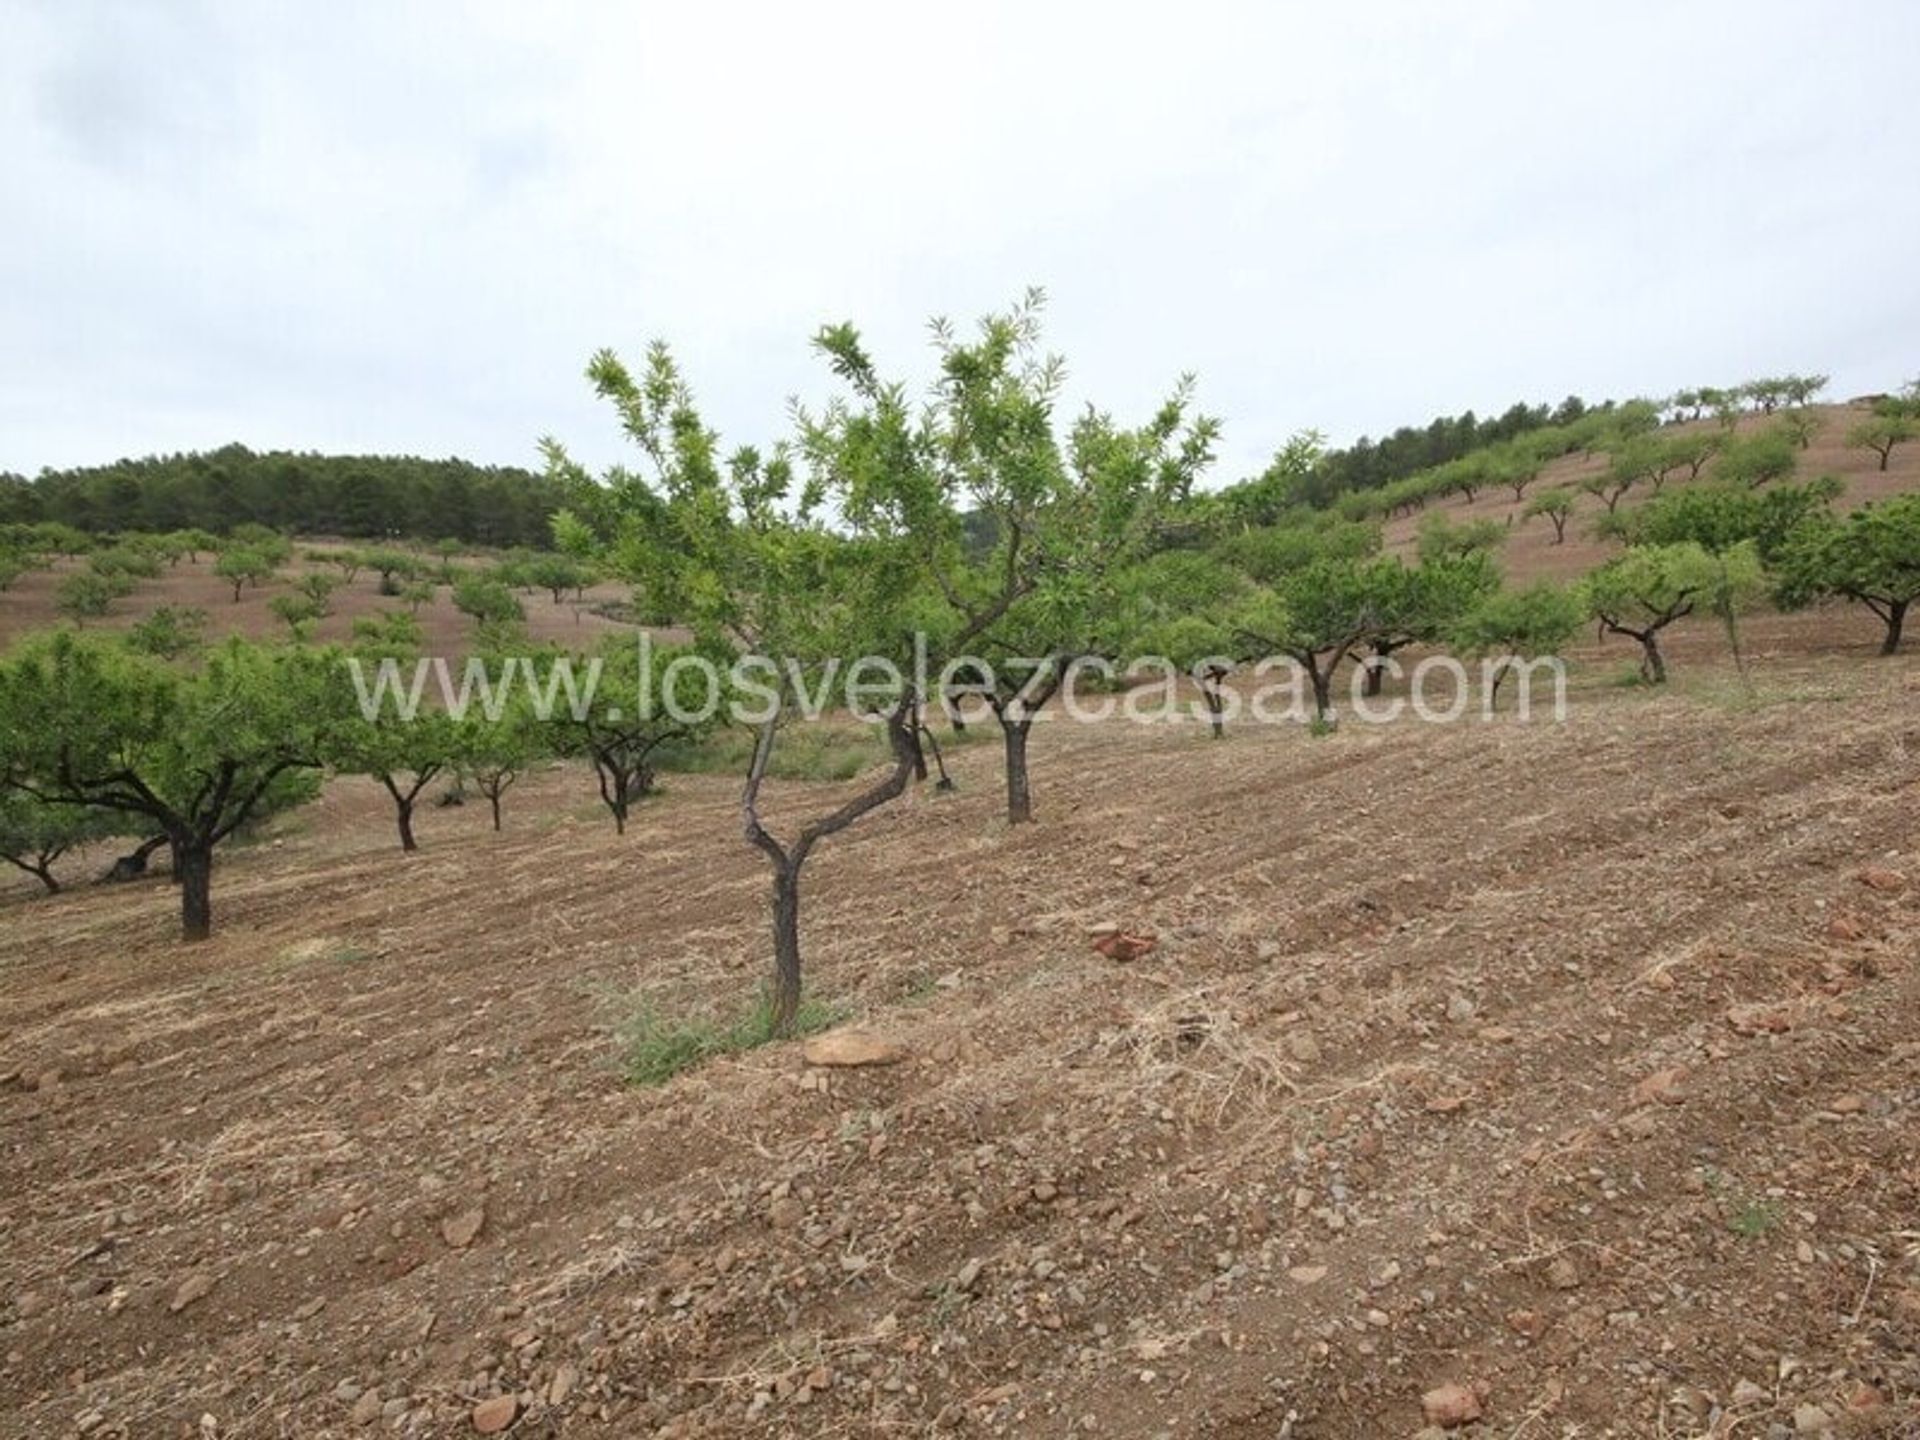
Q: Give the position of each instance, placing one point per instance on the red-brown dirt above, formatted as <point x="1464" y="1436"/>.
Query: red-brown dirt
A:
<point x="1577" y="1065"/>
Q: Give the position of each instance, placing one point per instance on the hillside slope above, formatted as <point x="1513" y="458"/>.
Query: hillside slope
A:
<point x="1572" y="1065"/>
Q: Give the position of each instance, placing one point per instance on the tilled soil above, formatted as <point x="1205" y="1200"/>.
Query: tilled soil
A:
<point x="1575" y="1067"/>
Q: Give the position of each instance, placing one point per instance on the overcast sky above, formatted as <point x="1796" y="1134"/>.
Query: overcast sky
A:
<point x="404" y="228"/>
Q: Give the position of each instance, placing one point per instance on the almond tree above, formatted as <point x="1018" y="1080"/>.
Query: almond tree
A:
<point x="1640" y="593"/>
<point x="1515" y="625"/>
<point x="738" y="549"/>
<point x="1557" y="505"/>
<point x="1057" y="521"/>
<point x="193" y="755"/>
<point x="1881" y="433"/>
<point x="1872" y="557"/>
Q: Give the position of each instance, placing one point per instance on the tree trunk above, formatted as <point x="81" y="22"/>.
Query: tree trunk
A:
<point x="619" y="808"/>
<point x="195" y="864"/>
<point x="1215" y="710"/>
<point x="786" y="946"/>
<point x="1376" y="673"/>
<point x="1322" y="691"/>
<point x="1896" y="618"/>
<point x="1559" y="529"/>
<point x="403" y="810"/>
<point x="1493" y="697"/>
<point x="493" y="799"/>
<point x="1019" y="792"/>
<point x="1654" y="664"/>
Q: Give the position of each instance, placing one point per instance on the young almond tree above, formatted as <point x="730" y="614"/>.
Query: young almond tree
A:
<point x="495" y="751"/>
<point x="737" y="549"/>
<point x="34" y="833"/>
<point x="1881" y="433"/>
<point x="1640" y="593"/>
<point x="1872" y="557"/>
<point x="1557" y="505"/>
<point x="194" y="756"/>
<point x="242" y="567"/>
<point x="1517" y="625"/>
<point x="1022" y="536"/>
<point x="1176" y="606"/>
<point x="641" y="702"/>
<point x="1319" y="614"/>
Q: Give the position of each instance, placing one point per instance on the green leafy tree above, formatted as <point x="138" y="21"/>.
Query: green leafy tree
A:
<point x="738" y="549"/>
<point x="241" y="567"/>
<point x="1757" y="459"/>
<point x="1557" y="505"/>
<point x="1065" y="518"/>
<point x="639" y="707"/>
<point x="1642" y="592"/>
<point x="34" y="833"/>
<point x="417" y="593"/>
<point x="1442" y="538"/>
<point x="394" y="567"/>
<point x="85" y="722"/>
<point x="1318" y="615"/>
<point x="556" y="574"/>
<point x="1880" y="433"/>
<point x="1509" y="626"/>
<point x="494" y="752"/>
<point x="1177" y="602"/>
<point x="1871" y="557"/>
<point x="486" y="600"/>
<point x="169" y="632"/>
<point x="84" y="596"/>
<point x="1719" y="516"/>
<point x="297" y="612"/>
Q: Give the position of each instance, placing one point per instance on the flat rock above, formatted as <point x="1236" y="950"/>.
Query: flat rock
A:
<point x="1450" y="1406"/>
<point x="490" y="1417"/>
<point x="195" y="1287"/>
<point x="847" y="1048"/>
<point x="462" y="1229"/>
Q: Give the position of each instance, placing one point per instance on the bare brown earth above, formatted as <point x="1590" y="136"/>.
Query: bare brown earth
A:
<point x="1576" y="1065"/>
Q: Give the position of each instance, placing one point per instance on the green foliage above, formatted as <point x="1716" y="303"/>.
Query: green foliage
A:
<point x="417" y="593"/>
<point x="298" y="612"/>
<point x="126" y="561"/>
<point x="1881" y="432"/>
<point x="241" y="567"/>
<point x="1871" y="557"/>
<point x="263" y="540"/>
<point x="1719" y="516"/>
<point x="654" y="1048"/>
<point x="393" y="633"/>
<point x="169" y="632"/>
<point x="34" y="833"/>
<point x="356" y="495"/>
<point x="1557" y="505"/>
<point x="195" y="754"/>
<point x="556" y="574"/>
<point x="1442" y="538"/>
<point x="1755" y="460"/>
<point x="84" y="595"/>
<point x="1267" y="553"/>
<point x="486" y="600"/>
<point x="1537" y="620"/>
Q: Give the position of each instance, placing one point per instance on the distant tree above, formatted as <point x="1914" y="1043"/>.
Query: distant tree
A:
<point x="318" y="589"/>
<point x="635" y="712"/>
<point x="242" y="567"/>
<point x="1871" y="557"/>
<point x="403" y="753"/>
<point x="417" y="593"/>
<point x="298" y="612"/>
<point x="1692" y="451"/>
<point x="34" y="833"/>
<point x="1799" y="427"/>
<point x="387" y="634"/>
<point x="556" y="574"/>
<point x="83" y="596"/>
<point x="12" y="566"/>
<point x="1557" y="505"/>
<point x="1444" y="539"/>
<point x="392" y="566"/>
<point x="85" y="722"/>
<point x="486" y="600"/>
<point x="1881" y="433"/>
<point x="195" y="543"/>
<point x="126" y="561"/>
<point x="1801" y="389"/>
<point x="263" y="540"/>
<point x="1718" y="516"/>
<point x="1517" y="624"/>
<point x="1612" y="484"/>
<point x="169" y="632"/>
<point x="1318" y="615"/>
<point x="1420" y="605"/>
<point x="1754" y="460"/>
<point x="346" y="560"/>
<point x="495" y="752"/>
<point x="1640" y="593"/>
<point x="1176" y="603"/>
